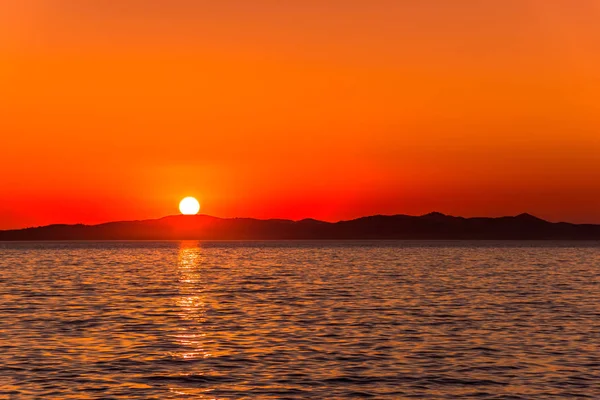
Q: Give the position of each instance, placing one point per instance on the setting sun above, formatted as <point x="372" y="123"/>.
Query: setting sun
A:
<point x="189" y="206"/>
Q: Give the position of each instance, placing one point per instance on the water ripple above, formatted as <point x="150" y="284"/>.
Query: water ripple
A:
<point x="273" y="320"/>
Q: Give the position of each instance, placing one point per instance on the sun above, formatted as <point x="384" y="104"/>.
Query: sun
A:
<point x="189" y="206"/>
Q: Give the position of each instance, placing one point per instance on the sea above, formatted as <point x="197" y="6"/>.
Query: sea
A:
<point x="300" y="320"/>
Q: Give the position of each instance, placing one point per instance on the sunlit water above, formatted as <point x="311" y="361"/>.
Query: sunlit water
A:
<point x="332" y="320"/>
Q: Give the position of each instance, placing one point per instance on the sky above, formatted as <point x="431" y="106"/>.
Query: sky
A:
<point x="330" y="109"/>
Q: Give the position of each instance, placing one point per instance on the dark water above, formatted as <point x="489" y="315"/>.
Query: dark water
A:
<point x="295" y="320"/>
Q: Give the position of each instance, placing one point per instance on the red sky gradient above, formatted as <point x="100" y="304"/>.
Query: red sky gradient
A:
<point x="114" y="110"/>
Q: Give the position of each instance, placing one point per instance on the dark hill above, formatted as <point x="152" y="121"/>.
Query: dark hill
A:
<point x="203" y="227"/>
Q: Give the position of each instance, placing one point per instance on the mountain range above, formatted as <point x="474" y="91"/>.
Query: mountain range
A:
<point x="203" y="227"/>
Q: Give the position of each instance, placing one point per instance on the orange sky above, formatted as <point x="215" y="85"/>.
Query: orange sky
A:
<point x="312" y="108"/>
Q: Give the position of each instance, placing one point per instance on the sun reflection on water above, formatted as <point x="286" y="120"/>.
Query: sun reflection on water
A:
<point x="191" y="303"/>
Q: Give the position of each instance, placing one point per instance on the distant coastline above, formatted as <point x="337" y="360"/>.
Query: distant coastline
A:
<point x="427" y="227"/>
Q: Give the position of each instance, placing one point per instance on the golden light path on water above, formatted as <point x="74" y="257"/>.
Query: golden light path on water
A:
<point x="191" y="305"/>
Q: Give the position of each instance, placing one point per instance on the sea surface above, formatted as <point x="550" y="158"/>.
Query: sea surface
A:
<point x="300" y="320"/>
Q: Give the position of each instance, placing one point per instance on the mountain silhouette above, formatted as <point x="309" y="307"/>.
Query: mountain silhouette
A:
<point x="203" y="227"/>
